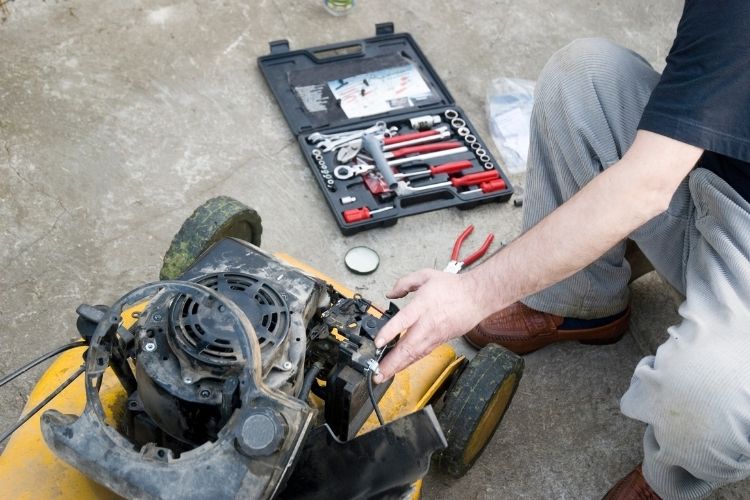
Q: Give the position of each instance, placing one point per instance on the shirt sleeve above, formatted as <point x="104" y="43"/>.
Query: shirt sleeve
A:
<point x="703" y="96"/>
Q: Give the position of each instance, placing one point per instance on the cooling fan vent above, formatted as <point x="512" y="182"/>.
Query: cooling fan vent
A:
<point x="203" y="335"/>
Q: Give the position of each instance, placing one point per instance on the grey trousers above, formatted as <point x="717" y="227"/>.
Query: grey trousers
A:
<point x="694" y="394"/>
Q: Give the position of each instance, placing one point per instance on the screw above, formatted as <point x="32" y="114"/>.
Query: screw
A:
<point x="149" y="347"/>
<point x="157" y="317"/>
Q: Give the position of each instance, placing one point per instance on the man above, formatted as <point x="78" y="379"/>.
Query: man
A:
<point x="618" y="151"/>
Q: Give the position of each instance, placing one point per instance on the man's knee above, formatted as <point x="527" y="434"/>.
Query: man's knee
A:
<point x="702" y="414"/>
<point x="582" y="62"/>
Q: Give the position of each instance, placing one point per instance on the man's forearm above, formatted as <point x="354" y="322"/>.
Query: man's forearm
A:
<point x="603" y="213"/>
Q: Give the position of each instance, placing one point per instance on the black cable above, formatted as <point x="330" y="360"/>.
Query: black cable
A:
<point x="372" y="398"/>
<point x="307" y="383"/>
<point x="13" y="375"/>
<point x="41" y="404"/>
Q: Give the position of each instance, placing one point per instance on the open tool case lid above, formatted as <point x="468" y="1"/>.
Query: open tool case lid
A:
<point x="352" y="85"/>
<point x="327" y="86"/>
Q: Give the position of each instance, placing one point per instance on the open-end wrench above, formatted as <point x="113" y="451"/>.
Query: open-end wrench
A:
<point x="330" y="142"/>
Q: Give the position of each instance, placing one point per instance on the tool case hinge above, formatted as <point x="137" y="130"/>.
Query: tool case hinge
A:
<point x="279" y="46"/>
<point x="383" y="29"/>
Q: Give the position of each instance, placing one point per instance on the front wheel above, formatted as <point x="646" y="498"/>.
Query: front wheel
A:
<point x="474" y="406"/>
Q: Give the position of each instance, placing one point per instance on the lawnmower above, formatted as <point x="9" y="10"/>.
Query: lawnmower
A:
<point x="241" y="374"/>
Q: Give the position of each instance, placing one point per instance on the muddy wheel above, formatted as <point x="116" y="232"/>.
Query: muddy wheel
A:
<point x="220" y="217"/>
<point x="475" y="405"/>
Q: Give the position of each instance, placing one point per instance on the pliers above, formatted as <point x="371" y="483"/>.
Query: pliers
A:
<point x="455" y="265"/>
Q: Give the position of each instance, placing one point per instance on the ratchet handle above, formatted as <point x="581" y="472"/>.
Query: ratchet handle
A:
<point x="451" y="167"/>
<point x="425" y="148"/>
<point x="374" y="146"/>
<point x="468" y="180"/>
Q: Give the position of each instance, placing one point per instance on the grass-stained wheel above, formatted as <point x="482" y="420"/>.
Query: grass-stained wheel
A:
<point x="217" y="218"/>
<point x="475" y="405"/>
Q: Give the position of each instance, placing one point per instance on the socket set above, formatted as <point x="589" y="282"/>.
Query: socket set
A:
<point x="380" y="131"/>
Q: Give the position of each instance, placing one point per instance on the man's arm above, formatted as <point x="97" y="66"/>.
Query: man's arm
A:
<point x="614" y="204"/>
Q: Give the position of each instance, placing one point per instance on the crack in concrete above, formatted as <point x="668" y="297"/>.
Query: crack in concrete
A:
<point x="31" y="184"/>
<point x="41" y="238"/>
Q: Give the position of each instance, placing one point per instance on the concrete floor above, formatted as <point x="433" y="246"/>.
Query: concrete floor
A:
<point x="118" y="118"/>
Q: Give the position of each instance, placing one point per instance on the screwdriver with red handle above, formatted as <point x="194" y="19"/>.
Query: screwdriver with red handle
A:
<point x="445" y="168"/>
<point x="422" y="148"/>
<point x="488" y="187"/>
<point x="414" y="135"/>
<point x="466" y="180"/>
<point x="362" y="213"/>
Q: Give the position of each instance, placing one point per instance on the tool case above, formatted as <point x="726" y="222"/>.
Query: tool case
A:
<point x="380" y="130"/>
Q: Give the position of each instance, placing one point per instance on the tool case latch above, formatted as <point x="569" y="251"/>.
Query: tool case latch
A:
<point x="279" y="46"/>
<point x="383" y="29"/>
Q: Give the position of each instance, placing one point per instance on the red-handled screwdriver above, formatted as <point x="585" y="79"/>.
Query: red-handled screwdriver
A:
<point x="408" y="137"/>
<point x="466" y="180"/>
<point x="445" y="168"/>
<point x="362" y="213"/>
<point x="422" y="148"/>
<point x="488" y="187"/>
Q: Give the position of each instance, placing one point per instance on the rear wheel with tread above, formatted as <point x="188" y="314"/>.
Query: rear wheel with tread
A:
<point x="217" y="218"/>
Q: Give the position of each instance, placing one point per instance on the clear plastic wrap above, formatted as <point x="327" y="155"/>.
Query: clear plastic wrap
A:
<point x="509" y="103"/>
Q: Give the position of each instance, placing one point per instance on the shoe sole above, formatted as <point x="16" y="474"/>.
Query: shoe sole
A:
<point x="603" y="335"/>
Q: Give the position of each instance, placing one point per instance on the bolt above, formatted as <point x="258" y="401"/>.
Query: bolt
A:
<point x="157" y="317"/>
<point x="205" y="393"/>
<point x="222" y="308"/>
<point x="149" y="347"/>
<point x="187" y="380"/>
<point x="287" y="365"/>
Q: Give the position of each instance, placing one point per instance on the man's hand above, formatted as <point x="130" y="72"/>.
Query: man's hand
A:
<point x="625" y="196"/>
<point x="444" y="306"/>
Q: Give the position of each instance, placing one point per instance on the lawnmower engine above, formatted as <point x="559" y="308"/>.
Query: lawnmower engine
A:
<point x="244" y="378"/>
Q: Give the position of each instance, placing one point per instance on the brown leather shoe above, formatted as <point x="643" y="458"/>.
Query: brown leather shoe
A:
<point x="522" y="329"/>
<point x="632" y="487"/>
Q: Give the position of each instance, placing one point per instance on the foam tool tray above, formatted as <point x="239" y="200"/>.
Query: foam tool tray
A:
<point x="380" y="130"/>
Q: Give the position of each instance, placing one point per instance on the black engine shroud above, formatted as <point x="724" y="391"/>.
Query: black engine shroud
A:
<point x="217" y="368"/>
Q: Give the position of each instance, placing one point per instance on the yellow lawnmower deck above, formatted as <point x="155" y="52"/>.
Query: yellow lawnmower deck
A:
<point x="471" y="396"/>
<point x="28" y="469"/>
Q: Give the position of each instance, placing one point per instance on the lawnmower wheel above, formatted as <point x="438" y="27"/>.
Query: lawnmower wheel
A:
<point x="474" y="406"/>
<point x="220" y="217"/>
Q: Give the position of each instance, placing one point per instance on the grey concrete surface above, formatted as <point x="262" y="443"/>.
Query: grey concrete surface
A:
<point x="118" y="118"/>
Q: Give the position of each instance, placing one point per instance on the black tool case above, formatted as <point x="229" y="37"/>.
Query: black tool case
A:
<point x="354" y="85"/>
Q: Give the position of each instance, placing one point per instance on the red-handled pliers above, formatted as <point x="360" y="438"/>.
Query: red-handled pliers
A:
<point x="455" y="265"/>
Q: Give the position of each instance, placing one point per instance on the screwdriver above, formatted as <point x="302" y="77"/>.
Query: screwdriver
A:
<point x="466" y="180"/>
<point x="422" y="148"/>
<point x="445" y="168"/>
<point x="362" y="213"/>
<point x="434" y="135"/>
<point x="415" y="135"/>
<point x="488" y="187"/>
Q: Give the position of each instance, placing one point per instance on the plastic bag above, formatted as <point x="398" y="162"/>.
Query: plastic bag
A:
<point x="509" y="111"/>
